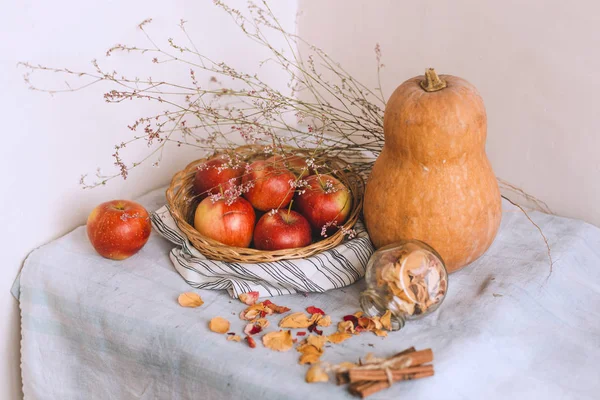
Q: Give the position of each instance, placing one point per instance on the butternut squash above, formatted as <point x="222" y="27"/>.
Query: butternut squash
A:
<point x="433" y="181"/>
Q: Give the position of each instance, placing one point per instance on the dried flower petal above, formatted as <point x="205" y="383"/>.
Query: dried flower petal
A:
<point x="316" y="374"/>
<point x="311" y="349"/>
<point x="219" y="325"/>
<point x="386" y="320"/>
<point x="300" y="333"/>
<point x="339" y="337"/>
<point x="234" y="338"/>
<point x="259" y="310"/>
<point x="314" y="310"/>
<point x="279" y="341"/>
<point x="252" y="329"/>
<point x="358" y="314"/>
<point x="277" y="309"/>
<point x="324" y="321"/>
<point x="249" y="298"/>
<point x="256" y="327"/>
<point x="415" y="279"/>
<point x="379" y="332"/>
<point x="317" y="341"/>
<point x="299" y="320"/>
<point x="262" y="322"/>
<point x="351" y="318"/>
<point x="366" y="323"/>
<point x="190" y="299"/>
<point x="310" y="354"/>
<point x="251" y="342"/>
<point x="377" y="322"/>
<point x="345" y="327"/>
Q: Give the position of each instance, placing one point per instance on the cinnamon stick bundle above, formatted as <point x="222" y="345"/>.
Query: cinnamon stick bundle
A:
<point x="343" y="377"/>
<point x="372" y="377"/>
<point x="357" y="375"/>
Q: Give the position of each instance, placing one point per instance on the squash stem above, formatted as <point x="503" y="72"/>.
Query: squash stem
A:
<point x="432" y="82"/>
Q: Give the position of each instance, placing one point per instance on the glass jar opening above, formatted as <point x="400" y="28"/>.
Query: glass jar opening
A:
<point x="373" y="305"/>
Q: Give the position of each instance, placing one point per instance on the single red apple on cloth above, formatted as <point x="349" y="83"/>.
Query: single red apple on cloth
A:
<point x="118" y="229"/>
<point x="214" y="176"/>
<point x="268" y="186"/>
<point x="325" y="202"/>
<point x="230" y="222"/>
<point x="293" y="162"/>
<point x="282" y="229"/>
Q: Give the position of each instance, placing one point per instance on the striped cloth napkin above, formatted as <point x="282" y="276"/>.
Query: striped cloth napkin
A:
<point x="331" y="269"/>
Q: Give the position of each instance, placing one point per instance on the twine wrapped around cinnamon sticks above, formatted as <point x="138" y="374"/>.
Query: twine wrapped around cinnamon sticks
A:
<point x="375" y="374"/>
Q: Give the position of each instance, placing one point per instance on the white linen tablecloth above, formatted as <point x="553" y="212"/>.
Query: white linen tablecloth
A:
<point x="99" y="329"/>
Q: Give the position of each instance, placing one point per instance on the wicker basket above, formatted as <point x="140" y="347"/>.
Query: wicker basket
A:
<point x="182" y="203"/>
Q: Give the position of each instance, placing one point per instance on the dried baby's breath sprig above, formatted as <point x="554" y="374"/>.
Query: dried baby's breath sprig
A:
<point x="339" y="115"/>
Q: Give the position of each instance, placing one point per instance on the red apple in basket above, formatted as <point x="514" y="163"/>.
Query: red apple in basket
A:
<point x="325" y="203"/>
<point x="282" y="229"/>
<point x="230" y="222"/>
<point x="118" y="229"/>
<point x="271" y="186"/>
<point x="293" y="162"/>
<point x="215" y="175"/>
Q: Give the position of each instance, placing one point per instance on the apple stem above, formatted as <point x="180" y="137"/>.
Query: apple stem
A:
<point x="221" y="190"/>
<point x="290" y="208"/>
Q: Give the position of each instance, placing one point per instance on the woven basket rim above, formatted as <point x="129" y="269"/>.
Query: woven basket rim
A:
<point x="179" y="190"/>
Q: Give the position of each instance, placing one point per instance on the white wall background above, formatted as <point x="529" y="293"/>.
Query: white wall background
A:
<point x="48" y="142"/>
<point x="535" y="63"/>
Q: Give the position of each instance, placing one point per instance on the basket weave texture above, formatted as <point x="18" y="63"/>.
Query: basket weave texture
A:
<point x="182" y="204"/>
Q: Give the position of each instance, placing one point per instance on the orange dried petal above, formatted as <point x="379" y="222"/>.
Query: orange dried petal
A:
<point x="297" y="320"/>
<point x="276" y="308"/>
<point x="262" y="322"/>
<point x="386" y="320"/>
<point x="358" y="314"/>
<point x="377" y="322"/>
<point x="324" y="321"/>
<point x="279" y="341"/>
<point x="190" y="299"/>
<point x="219" y="325"/>
<point x="233" y="338"/>
<point x="346" y="327"/>
<point x="366" y="323"/>
<point x="379" y="332"/>
<point x="317" y="341"/>
<point x="310" y="356"/>
<point x="316" y="374"/>
<point x="339" y="337"/>
<point x="311" y="349"/>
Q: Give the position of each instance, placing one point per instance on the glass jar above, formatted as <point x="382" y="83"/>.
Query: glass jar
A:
<point x="408" y="278"/>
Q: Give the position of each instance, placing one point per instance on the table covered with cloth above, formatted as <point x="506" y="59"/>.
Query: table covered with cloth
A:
<point x="509" y="328"/>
